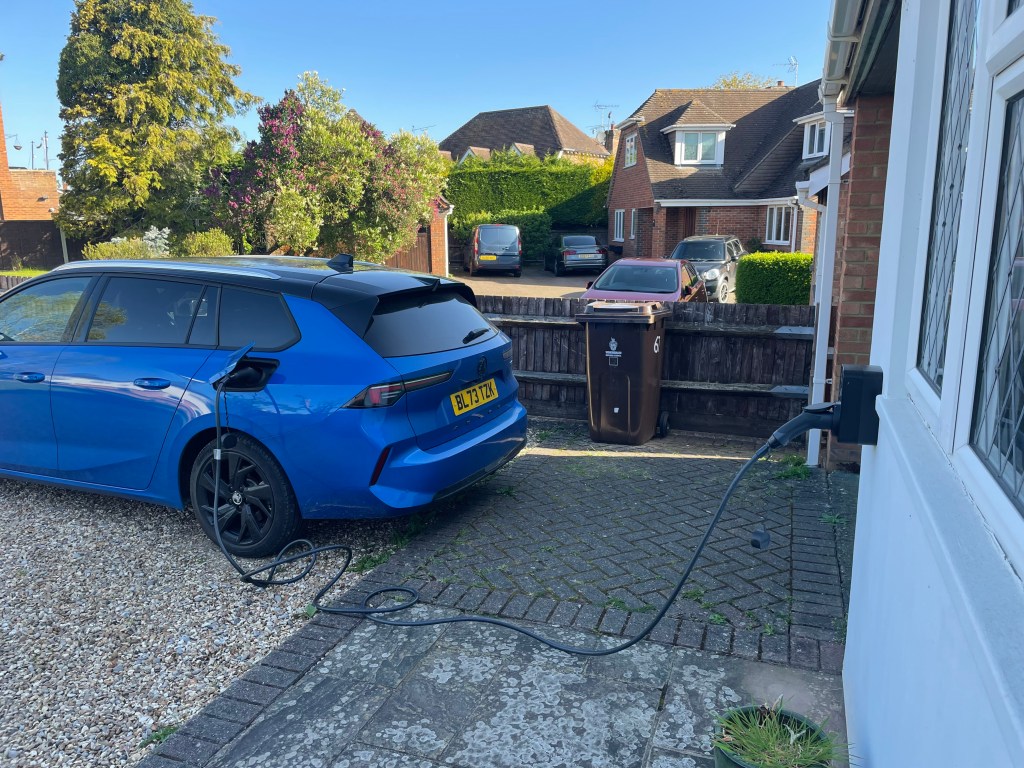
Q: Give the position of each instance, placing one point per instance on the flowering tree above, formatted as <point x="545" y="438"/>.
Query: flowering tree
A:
<point x="322" y="176"/>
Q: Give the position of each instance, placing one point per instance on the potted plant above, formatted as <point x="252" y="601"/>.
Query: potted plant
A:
<point x="769" y="736"/>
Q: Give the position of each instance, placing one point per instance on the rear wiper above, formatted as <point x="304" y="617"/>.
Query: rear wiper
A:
<point x="475" y="334"/>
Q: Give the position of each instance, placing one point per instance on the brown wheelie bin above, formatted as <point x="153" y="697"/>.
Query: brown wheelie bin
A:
<point x="625" y="348"/>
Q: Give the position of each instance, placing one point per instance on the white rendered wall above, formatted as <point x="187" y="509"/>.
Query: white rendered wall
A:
<point x="934" y="669"/>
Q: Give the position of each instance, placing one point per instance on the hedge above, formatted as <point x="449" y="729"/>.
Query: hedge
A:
<point x="572" y="194"/>
<point x="534" y="228"/>
<point x="774" y="278"/>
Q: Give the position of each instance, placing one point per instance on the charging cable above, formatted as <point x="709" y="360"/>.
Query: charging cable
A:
<point x="820" y="416"/>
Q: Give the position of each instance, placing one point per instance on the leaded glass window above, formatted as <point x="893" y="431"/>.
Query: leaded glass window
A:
<point x="997" y="433"/>
<point x="949" y="184"/>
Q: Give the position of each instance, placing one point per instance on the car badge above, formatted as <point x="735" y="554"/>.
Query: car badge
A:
<point x="613" y="344"/>
<point x="481" y="366"/>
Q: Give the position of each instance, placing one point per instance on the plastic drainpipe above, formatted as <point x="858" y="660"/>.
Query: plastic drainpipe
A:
<point x="828" y="263"/>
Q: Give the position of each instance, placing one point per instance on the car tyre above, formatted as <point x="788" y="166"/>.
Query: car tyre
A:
<point x="559" y="269"/>
<point x="517" y="273"/>
<point x="723" y="292"/>
<point x="259" y="515"/>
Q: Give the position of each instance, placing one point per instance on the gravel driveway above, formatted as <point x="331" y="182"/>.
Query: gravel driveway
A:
<point x="119" y="619"/>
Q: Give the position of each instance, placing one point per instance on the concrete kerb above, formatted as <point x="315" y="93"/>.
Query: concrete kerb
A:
<point x="809" y="644"/>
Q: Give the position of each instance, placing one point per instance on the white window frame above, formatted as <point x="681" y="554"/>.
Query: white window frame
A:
<point x="632" y="224"/>
<point x="948" y="415"/>
<point x="629" y="151"/>
<point x="772" y="219"/>
<point x="680" y="144"/>
<point x="620" y="216"/>
<point x="816" y="139"/>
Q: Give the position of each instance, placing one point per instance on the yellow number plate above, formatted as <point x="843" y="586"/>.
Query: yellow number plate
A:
<point x="488" y="257"/>
<point x="474" y="397"/>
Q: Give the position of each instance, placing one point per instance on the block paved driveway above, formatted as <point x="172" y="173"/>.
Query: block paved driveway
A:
<point x="594" y="536"/>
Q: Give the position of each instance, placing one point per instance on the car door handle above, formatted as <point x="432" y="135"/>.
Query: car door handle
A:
<point x="30" y="378"/>
<point x="152" y="383"/>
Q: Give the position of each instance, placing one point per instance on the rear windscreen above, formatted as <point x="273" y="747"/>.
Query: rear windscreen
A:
<point x="700" y="251"/>
<point x="639" y="278"/>
<point x="422" y="323"/>
<point x="579" y="241"/>
<point x="498" y="237"/>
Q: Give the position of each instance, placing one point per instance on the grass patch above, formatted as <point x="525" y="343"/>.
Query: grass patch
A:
<point x="22" y="272"/>
<point x="508" y="490"/>
<point x="717" y="618"/>
<point x="617" y="604"/>
<point x="694" y="593"/>
<point x="159" y="736"/>
<point x="369" y="562"/>
<point x="832" y="518"/>
<point x="795" y="468"/>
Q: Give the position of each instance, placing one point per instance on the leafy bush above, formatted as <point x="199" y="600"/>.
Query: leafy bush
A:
<point x="534" y="228"/>
<point x="119" y="248"/>
<point x="774" y="278"/>
<point x="213" y="242"/>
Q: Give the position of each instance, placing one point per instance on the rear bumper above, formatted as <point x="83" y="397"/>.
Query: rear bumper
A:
<point x="502" y="263"/>
<point x="572" y="265"/>
<point x="414" y="476"/>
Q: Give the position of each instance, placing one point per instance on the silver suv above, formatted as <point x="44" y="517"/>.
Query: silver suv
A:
<point x="714" y="257"/>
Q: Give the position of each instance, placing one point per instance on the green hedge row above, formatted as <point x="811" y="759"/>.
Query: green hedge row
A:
<point x="774" y="278"/>
<point x="572" y="194"/>
<point x="534" y="229"/>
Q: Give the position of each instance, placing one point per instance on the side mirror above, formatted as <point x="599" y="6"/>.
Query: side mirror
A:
<point x="687" y="290"/>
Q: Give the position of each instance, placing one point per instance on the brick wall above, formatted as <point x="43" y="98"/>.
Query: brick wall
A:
<point x="631" y="188"/>
<point x="857" y="253"/>
<point x="25" y="195"/>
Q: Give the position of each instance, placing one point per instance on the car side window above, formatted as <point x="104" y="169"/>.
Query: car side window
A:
<point x="137" y="310"/>
<point x="40" y="314"/>
<point x="255" y="317"/>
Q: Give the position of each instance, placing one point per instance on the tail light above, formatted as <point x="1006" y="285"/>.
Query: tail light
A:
<point x="568" y="252"/>
<point x="476" y="244"/>
<point x="603" y="251"/>
<point x="519" y="244"/>
<point x="387" y="394"/>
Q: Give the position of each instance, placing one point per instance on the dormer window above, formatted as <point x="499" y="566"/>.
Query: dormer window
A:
<point x="697" y="144"/>
<point x="816" y="133"/>
<point x="631" y="150"/>
<point x="699" y="147"/>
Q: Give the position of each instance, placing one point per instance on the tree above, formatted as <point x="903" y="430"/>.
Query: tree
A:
<point x="321" y="176"/>
<point x="144" y="89"/>
<point x="734" y="81"/>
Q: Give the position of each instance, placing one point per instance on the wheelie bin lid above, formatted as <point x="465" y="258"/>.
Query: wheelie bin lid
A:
<point x="644" y="312"/>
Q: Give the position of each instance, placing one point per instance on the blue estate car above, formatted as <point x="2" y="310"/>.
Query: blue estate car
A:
<point x="368" y="392"/>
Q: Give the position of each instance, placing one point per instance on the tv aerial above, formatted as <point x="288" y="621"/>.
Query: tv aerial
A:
<point x="793" y="66"/>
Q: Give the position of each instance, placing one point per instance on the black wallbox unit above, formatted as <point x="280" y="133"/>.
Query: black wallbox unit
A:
<point x="858" y="420"/>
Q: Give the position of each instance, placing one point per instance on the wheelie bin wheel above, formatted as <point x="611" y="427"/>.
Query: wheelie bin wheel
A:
<point x="663" y="424"/>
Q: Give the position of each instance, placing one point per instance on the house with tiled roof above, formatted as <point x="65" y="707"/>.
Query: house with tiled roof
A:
<point x="538" y="131"/>
<point x="709" y="161"/>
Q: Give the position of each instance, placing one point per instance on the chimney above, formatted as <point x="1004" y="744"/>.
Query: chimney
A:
<point x="781" y="84"/>
<point x="611" y="140"/>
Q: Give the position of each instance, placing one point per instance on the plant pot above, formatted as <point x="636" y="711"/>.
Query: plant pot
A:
<point x="724" y="759"/>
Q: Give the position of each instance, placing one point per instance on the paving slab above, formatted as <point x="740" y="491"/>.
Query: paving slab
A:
<point x="478" y="696"/>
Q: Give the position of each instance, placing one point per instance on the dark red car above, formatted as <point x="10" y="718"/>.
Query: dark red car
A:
<point x="648" y="280"/>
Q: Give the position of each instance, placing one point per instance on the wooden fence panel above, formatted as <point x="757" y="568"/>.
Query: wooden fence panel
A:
<point x="731" y="368"/>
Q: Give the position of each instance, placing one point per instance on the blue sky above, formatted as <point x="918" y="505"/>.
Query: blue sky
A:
<point x="417" y="65"/>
